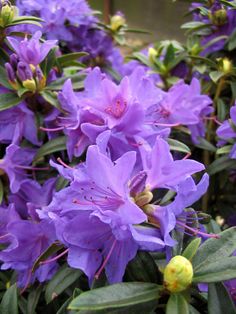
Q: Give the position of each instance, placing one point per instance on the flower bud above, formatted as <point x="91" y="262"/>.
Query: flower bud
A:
<point x="152" y="54"/>
<point x="218" y="14"/>
<point x="225" y="65"/>
<point x="7" y="13"/>
<point x="178" y="274"/>
<point x="117" y="21"/>
<point x="30" y="85"/>
<point x="24" y="71"/>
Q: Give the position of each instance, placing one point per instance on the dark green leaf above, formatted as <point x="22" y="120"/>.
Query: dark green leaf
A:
<point x="141" y="57"/>
<point x="3" y="79"/>
<point x="51" y="98"/>
<point x="9" y="100"/>
<point x="191" y="249"/>
<point x="116" y="296"/>
<point x="220" y="164"/>
<point x="224" y="150"/>
<point x="64" y="278"/>
<point x="55" y="145"/>
<point x="143" y="268"/>
<point x="215" y="271"/>
<point x="66" y="60"/>
<point x="170" y="55"/>
<point x="204" y="144"/>
<point x="178" y="146"/>
<point x="232" y="41"/>
<point x="33" y="299"/>
<point x="214" y="250"/>
<point x="9" y="304"/>
<point x="77" y="82"/>
<point x="219" y="301"/>
<point x="221" y="109"/>
<point x="1" y="191"/>
<point x="177" y="305"/>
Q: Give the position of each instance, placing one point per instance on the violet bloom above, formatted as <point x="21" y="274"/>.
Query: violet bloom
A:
<point x="227" y="131"/>
<point x="27" y="240"/>
<point x="32" y="51"/>
<point x="103" y="106"/>
<point x="32" y="196"/>
<point x="15" y="163"/>
<point x="183" y="104"/>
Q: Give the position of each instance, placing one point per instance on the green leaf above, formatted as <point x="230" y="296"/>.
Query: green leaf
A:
<point x="67" y="60"/>
<point x="220" y="164"/>
<point x="9" y="304"/>
<point x="206" y="145"/>
<point x="9" y="100"/>
<point x="193" y="25"/>
<point x="219" y="300"/>
<point x="177" y="305"/>
<point x="178" y="146"/>
<point x="170" y="55"/>
<point x="191" y="249"/>
<point x="3" y="78"/>
<point x="26" y="20"/>
<point x="224" y="150"/>
<point x="77" y="82"/>
<point x="116" y="296"/>
<point x="142" y="58"/>
<point x="55" y="145"/>
<point x="33" y="299"/>
<point x="53" y="248"/>
<point x="143" y="268"/>
<point x="220" y="270"/>
<point x="51" y="98"/>
<point x="232" y="41"/>
<point x="49" y="62"/>
<point x="216" y="75"/>
<point x="214" y="250"/>
<point x="64" y="278"/>
<point x="221" y="109"/>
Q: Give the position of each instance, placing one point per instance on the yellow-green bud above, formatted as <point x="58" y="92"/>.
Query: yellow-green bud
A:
<point x="30" y="85"/>
<point x="178" y="274"/>
<point x="225" y="65"/>
<point x="143" y="198"/>
<point x="6" y="15"/>
<point x="219" y="17"/>
<point x="116" y="22"/>
<point x="152" y="54"/>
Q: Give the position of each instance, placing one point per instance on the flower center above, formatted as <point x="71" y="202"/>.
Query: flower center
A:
<point x="117" y="108"/>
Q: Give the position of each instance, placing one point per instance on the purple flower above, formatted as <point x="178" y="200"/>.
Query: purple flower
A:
<point x="15" y="163"/>
<point x="227" y="131"/>
<point x="182" y="104"/>
<point x="31" y="51"/>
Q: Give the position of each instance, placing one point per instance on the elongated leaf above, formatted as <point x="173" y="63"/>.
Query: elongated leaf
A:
<point x="77" y="81"/>
<point x="55" y="145"/>
<point x="64" y="278"/>
<point x="215" y="249"/>
<point x="33" y="299"/>
<point x="9" y="100"/>
<point x="216" y="75"/>
<point x="221" y="164"/>
<point x="191" y="249"/>
<point x="178" y="146"/>
<point x="204" y="144"/>
<point x="51" y="98"/>
<point x="177" y="305"/>
<point x="116" y="296"/>
<point x="220" y="270"/>
<point x="224" y="150"/>
<point x="67" y="59"/>
<point x="1" y="191"/>
<point x="219" y="300"/>
<point x="3" y="79"/>
<point x="9" y="304"/>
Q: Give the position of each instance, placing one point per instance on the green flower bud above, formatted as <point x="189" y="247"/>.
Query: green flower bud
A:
<point x="117" y="21"/>
<point x="152" y="54"/>
<point x="7" y="14"/>
<point x="30" y="85"/>
<point x="178" y="274"/>
<point x="225" y="65"/>
<point x="219" y="17"/>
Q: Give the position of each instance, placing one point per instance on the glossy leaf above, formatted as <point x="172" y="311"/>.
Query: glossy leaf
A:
<point x="177" y="305"/>
<point x="191" y="249"/>
<point x="55" y="145"/>
<point x="9" y="100"/>
<point x="9" y="304"/>
<point x="64" y="278"/>
<point x="116" y="296"/>
<point x="178" y="146"/>
<point x="221" y="164"/>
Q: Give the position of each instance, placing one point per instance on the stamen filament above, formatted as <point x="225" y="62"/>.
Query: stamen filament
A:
<point x="97" y="275"/>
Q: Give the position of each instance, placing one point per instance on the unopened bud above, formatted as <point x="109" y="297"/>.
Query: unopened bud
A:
<point x="117" y="21"/>
<point x="7" y="13"/>
<point x="152" y="54"/>
<point x="225" y="65"/>
<point x="218" y="15"/>
<point x="143" y="198"/>
<point x="30" y="85"/>
<point x="178" y="274"/>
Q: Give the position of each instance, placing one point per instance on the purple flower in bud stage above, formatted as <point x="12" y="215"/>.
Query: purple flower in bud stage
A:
<point x="15" y="163"/>
<point x="27" y="241"/>
<point x="31" y="51"/>
<point x="32" y="196"/>
<point x="182" y="105"/>
<point x="227" y="131"/>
